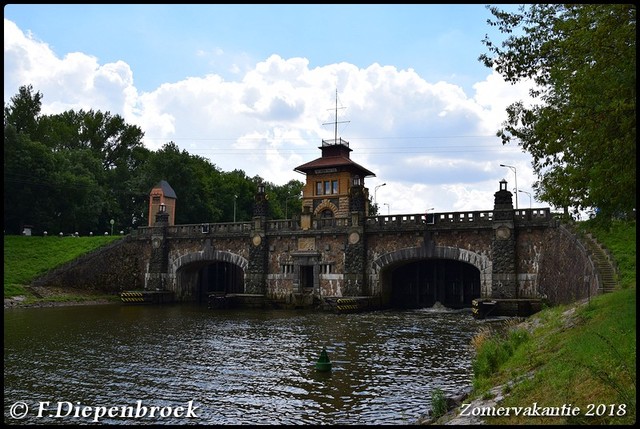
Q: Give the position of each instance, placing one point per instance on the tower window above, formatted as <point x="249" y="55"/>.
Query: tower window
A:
<point x="327" y="187"/>
<point x="326" y="214"/>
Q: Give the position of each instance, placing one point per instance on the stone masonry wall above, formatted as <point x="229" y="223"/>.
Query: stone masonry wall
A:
<point x="112" y="269"/>
<point x="566" y="274"/>
<point x="282" y="250"/>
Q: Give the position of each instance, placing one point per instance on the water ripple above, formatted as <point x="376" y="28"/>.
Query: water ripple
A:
<point x="244" y="367"/>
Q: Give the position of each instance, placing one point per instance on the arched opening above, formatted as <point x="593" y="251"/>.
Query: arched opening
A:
<point x="197" y="280"/>
<point x="326" y="214"/>
<point x="422" y="283"/>
<point x="220" y="278"/>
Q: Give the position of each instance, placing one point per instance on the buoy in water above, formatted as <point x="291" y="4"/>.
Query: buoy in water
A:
<point x="323" y="364"/>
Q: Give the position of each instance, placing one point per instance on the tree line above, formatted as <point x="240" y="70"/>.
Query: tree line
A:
<point x="78" y="170"/>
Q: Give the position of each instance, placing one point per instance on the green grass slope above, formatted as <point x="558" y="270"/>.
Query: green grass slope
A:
<point x="28" y="257"/>
<point x="580" y="355"/>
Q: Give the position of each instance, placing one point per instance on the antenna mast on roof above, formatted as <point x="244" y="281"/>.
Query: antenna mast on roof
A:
<point x="335" y="122"/>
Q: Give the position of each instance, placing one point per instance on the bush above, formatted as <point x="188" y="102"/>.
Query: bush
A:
<point x="496" y="350"/>
<point x="438" y="403"/>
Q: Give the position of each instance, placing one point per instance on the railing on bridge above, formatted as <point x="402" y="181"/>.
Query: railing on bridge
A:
<point x="197" y="229"/>
<point x="471" y="218"/>
<point x="419" y="221"/>
<point x="533" y="214"/>
<point x="320" y="223"/>
<point x="283" y="225"/>
<point x="388" y="222"/>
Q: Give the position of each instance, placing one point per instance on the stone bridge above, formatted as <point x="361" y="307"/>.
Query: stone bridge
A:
<point x="408" y="261"/>
<point x="457" y="259"/>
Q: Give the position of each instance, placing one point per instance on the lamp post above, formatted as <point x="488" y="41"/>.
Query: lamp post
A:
<point x="235" y="198"/>
<point x="286" y="205"/>
<point x="375" y="193"/>
<point x="515" y="174"/>
<point x="426" y="214"/>
<point x="528" y="193"/>
<point x="388" y="208"/>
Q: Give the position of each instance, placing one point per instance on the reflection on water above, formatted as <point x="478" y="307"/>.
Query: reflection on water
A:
<point x="238" y="367"/>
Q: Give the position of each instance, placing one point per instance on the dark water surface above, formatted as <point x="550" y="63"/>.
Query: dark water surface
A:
<point x="200" y="366"/>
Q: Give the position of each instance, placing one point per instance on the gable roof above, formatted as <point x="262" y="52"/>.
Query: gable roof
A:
<point x="167" y="190"/>
<point x="333" y="161"/>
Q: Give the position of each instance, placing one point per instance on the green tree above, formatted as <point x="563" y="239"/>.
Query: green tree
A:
<point x="236" y="196"/>
<point x="118" y="147"/>
<point x="22" y="113"/>
<point x="70" y="172"/>
<point x="79" y="198"/>
<point x="581" y="129"/>
<point x="28" y="183"/>
<point x="285" y="201"/>
<point x="195" y="180"/>
<point x="28" y="166"/>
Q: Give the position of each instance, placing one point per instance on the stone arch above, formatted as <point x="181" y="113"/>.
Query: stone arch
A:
<point x="481" y="262"/>
<point x="183" y="286"/>
<point x="326" y="205"/>
<point x="208" y="255"/>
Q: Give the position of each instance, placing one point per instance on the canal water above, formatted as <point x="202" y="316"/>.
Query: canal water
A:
<point x="184" y="364"/>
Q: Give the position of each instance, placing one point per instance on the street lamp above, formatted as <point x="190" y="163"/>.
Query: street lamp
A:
<point x="375" y="193"/>
<point x="235" y="198"/>
<point x="528" y="193"/>
<point x="516" y="180"/>
<point x="286" y="204"/>
<point x="426" y="214"/>
<point x="388" y="208"/>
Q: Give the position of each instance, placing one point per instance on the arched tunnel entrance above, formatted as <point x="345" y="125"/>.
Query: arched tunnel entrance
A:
<point x="199" y="280"/>
<point x="422" y="283"/>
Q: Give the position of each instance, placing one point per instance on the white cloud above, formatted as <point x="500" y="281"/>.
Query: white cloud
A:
<point x="433" y="145"/>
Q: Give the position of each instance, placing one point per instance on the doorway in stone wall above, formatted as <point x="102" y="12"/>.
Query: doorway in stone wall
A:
<point x="306" y="277"/>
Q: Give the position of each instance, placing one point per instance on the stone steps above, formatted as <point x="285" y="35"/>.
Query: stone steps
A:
<point x="604" y="263"/>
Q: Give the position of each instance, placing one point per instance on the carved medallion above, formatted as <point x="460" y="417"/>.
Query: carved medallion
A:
<point x="256" y="240"/>
<point x="354" y="237"/>
<point x="503" y="233"/>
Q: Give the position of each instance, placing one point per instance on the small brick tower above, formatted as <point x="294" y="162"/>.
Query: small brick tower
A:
<point x="162" y="193"/>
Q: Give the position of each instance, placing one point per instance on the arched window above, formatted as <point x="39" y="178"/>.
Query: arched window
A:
<point x="326" y="213"/>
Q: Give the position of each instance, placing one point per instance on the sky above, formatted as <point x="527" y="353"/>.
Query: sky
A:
<point x="258" y="87"/>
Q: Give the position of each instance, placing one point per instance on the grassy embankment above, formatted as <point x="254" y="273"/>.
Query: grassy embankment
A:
<point x="26" y="258"/>
<point x="575" y="355"/>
